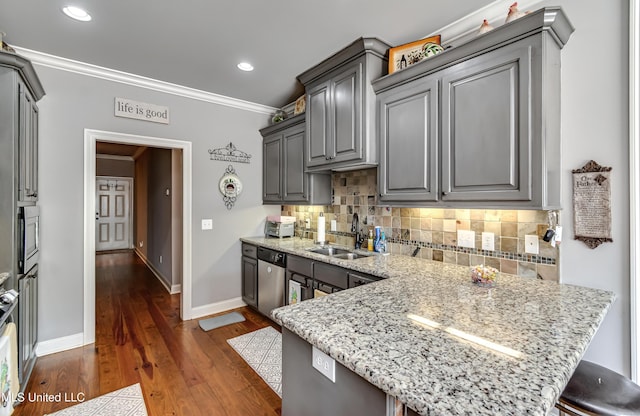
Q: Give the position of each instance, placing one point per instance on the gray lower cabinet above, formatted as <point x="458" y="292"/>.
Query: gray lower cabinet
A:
<point x="479" y="124"/>
<point x="27" y="324"/>
<point x="284" y="176"/>
<point x="340" y="107"/>
<point x="249" y="275"/>
<point x="305" y="391"/>
<point x="358" y="279"/>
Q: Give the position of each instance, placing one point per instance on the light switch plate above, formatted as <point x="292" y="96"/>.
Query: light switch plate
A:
<point x="207" y="224"/>
<point x="323" y="363"/>
<point x="488" y="241"/>
<point x="531" y="245"/>
<point x="467" y="238"/>
<point x="334" y="225"/>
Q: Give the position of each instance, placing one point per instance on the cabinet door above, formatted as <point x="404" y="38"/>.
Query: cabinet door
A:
<point x="250" y="281"/>
<point x="317" y="116"/>
<point x="28" y="146"/>
<point x="486" y="132"/>
<point x="272" y="168"/>
<point x="346" y="115"/>
<point x="27" y="324"/>
<point x="408" y="131"/>
<point x="334" y="117"/>
<point x="295" y="180"/>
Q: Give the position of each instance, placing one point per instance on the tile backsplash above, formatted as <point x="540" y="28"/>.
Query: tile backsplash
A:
<point x="432" y="230"/>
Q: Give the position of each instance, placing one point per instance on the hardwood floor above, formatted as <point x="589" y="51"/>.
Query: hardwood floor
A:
<point x="140" y="339"/>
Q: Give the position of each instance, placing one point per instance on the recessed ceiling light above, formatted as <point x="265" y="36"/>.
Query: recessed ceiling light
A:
<point x="76" y="13"/>
<point x="245" y="66"/>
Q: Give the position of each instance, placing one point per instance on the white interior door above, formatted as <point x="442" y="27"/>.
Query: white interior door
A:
<point x="113" y="213"/>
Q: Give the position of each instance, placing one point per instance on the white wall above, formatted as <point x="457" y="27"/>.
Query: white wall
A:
<point x="595" y="126"/>
<point x="75" y="102"/>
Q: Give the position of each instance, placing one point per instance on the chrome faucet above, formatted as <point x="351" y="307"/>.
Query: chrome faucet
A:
<point x="355" y="228"/>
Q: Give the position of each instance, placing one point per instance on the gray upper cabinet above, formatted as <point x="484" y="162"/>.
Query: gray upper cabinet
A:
<point x="28" y="146"/>
<point x="284" y="178"/>
<point x="334" y="122"/>
<point x="479" y="124"/>
<point x="408" y="122"/>
<point x="21" y="88"/>
<point x="487" y="142"/>
<point x="340" y="107"/>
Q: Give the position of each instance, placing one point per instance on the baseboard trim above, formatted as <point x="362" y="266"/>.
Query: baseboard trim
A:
<point x="59" y="344"/>
<point x="175" y="289"/>
<point x="155" y="272"/>
<point x="217" y="307"/>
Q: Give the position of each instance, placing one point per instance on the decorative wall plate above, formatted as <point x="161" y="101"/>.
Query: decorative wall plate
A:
<point x="230" y="186"/>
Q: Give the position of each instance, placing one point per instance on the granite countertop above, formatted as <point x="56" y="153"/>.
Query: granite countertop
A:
<point x="417" y="334"/>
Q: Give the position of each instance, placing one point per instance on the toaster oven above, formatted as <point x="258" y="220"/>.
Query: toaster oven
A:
<point x="278" y="229"/>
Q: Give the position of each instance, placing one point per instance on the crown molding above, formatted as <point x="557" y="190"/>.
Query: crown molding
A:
<point x="69" y="65"/>
<point x="496" y="12"/>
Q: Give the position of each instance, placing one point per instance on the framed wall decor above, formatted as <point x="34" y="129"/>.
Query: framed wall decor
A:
<point x="301" y="104"/>
<point x="408" y="54"/>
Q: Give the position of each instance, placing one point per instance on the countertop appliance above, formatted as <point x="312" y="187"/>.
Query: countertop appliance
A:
<point x="28" y="237"/>
<point x="278" y="229"/>
<point x="271" y="279"/>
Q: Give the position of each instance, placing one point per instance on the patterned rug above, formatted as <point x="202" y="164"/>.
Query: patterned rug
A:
<point x="124" y="402"/>
<point x="262" y="350"/>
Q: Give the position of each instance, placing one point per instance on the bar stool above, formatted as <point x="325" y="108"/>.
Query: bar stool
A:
<point x="596" y="390"/>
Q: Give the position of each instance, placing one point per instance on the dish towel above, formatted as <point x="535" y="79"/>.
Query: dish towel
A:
<point x="9" y="385"/>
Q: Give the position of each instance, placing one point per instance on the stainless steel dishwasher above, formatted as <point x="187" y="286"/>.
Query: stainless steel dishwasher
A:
<point x="271" y="278"/>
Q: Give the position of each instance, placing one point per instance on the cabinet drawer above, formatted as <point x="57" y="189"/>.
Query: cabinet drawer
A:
<point x="249" y="250"/>
<point x="356" y="279"/>
<point x="300" y="266"/>
<point x="332" y="275"/>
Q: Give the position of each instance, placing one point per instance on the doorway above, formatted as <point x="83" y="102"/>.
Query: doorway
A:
<point x="113" y="213"/>
<point x="91" y="137"/>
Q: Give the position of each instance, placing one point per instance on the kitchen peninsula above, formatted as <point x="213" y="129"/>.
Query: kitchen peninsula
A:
<point x="427" y="336"/>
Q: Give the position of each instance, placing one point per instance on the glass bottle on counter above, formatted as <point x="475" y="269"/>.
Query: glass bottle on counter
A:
<point x="370" y="241"/>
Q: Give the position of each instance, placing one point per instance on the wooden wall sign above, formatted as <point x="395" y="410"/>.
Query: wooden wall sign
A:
<point x="141" y="111"/>
<point x="592" y="204"/>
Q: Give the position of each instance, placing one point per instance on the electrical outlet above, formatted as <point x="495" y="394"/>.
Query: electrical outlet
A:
<point x="323" y="363"/>
<point x="207" y="224"/>
<point x="334" y="225"/>
<point x="531" y="245"/>
<point x="488" y="241"/>
<point x="307" y="223"/>
<point x="467" y="238"/>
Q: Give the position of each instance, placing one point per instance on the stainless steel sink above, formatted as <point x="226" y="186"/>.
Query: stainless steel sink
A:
<point x="329" y="251"/>
<point x="348" y="256"/>
<point x="338" y="253"/>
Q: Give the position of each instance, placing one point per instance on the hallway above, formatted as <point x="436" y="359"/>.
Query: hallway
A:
<point x="140" y="339"/>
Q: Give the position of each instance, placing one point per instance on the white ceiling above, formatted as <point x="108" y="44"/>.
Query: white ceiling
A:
<point x="198" y="43"/>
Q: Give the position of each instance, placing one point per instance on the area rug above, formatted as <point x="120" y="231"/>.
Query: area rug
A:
<point x="262" y="350"/>
<point x="124" y="402"/>
<point x="222" y="320"/>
